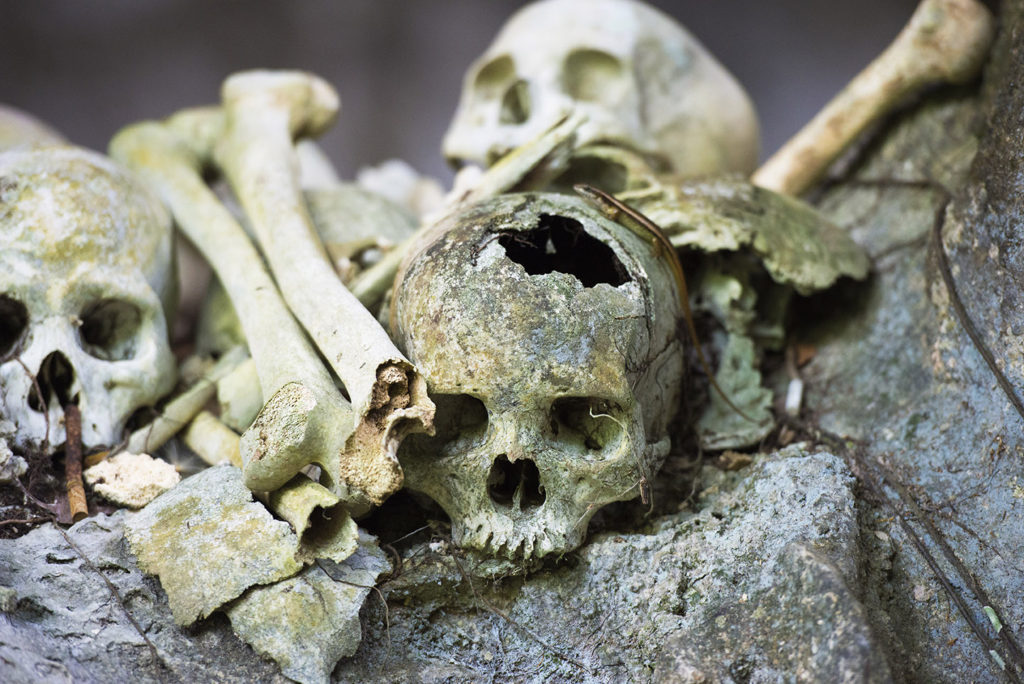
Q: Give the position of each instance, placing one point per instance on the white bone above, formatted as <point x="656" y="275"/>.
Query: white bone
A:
<point x="946" y="41"/>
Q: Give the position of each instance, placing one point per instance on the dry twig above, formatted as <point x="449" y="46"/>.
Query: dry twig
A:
<point x="77" y="506"/>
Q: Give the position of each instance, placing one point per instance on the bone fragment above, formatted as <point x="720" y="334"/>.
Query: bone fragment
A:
<point x="264" y="112"/>
<point x="132" y="480"/>
<point x="180" y="410"/>
<point x="946" y="41"/>
<point x="299" y="502"/>
<point x="212" y="440"/>
<point x="238" y="394"/>
<point x="305" y="419"/>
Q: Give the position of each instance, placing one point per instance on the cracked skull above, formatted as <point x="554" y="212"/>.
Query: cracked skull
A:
<point x="642" y="81"/>
<point x="85" y="273"/>
<point x="547" y="335"/>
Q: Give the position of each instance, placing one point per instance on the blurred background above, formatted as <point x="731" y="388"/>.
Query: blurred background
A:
<point x="88" y="68"/>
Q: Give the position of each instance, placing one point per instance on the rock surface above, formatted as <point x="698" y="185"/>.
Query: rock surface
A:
<point x="61" y="623"/>
<point x="753" y="586"/>
<point x="900" y="372"/>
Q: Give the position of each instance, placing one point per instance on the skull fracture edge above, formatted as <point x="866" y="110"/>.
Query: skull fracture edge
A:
<point x="547" y="335"/>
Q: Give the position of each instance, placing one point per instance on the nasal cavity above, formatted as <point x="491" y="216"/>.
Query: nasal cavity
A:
<point x="559" y="243"/>
<point x="515" y="483"/>
<point x="53" y="381"/>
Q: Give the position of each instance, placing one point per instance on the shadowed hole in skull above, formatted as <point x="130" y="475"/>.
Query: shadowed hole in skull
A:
<point x="547" y="335"/>
<point x="109" y="328"/>
<point x="13" y="324"/>
<point x="54" y="380"/>
<point x="587" y="426"/>
<point x="595" y="76"/>
<point x="515" y="105"/>
<point x="515" y="484"/>
<point x="559" y="243"/>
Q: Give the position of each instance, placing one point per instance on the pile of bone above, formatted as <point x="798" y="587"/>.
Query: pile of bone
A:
<point x="544" y="328"/>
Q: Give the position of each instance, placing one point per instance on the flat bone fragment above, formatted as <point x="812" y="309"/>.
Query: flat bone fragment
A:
<point x="131" y="480"/>
<point x="305" y="419"/>
<point x="308" y="622"/>
<point x="264" y="112"/>
<point x="209" y="541"/>
<point x="798" y="246"/>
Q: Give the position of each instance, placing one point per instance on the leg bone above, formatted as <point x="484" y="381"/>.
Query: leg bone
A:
<point x="291" y="431"/>
<point x="946" y="41"/>
<point x="264" y="112"/>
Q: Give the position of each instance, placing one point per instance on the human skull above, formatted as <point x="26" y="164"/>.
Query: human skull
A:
<point x="85" y="275"/>
<point x="642" y="81"/>
<point x="547" y="335"/>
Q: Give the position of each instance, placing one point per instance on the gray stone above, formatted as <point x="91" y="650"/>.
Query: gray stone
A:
<point x="61" y="624"/>
<point x="757" y="584"/>
<point x="898" y="371"/>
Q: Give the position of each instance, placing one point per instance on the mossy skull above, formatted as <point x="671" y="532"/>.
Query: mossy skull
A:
<point x="548" y="337"/>
<point x="86" y="271"/>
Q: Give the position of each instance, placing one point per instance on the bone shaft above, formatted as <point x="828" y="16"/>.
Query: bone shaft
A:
<point x="277" y="344"/>
<point x="238" y="394"/>
<point x="183" y="408"/>
<point x="212" y="440"/>
<point x="263" y="176"/>
<point x="945" y="40"/>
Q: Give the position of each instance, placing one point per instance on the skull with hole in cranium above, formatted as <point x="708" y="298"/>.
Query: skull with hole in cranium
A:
<point x="642" y="81"/>
<point x="86" y="271"/>
<point x="547" y="335"/>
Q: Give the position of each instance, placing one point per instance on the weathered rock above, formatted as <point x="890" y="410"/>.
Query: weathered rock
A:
<point x="755" y="585"/>
<point x="770" y="551"/>
<point x="900" y="372"/>
<point x="61" y="623"/>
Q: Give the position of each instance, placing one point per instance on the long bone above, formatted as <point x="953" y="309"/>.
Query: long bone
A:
<point x="263" y="113"/>
<point x="946" y="41"/>
<point x="306" y="419"/>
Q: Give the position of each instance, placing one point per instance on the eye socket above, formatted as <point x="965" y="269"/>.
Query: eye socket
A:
<point x="495" y="75"/>
<point x="587" y="424"/>
<point x="460" y="422"/>
<point x="110" y="328"/>
<point x="515" y="105"/>
<point x="594" y="76"/>
<point x="13" y="325"/>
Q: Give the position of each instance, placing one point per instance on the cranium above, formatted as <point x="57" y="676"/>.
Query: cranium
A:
<point x="547" y="335"/>
<point x="642" y="81"/>
<point x="85" y="275"/>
